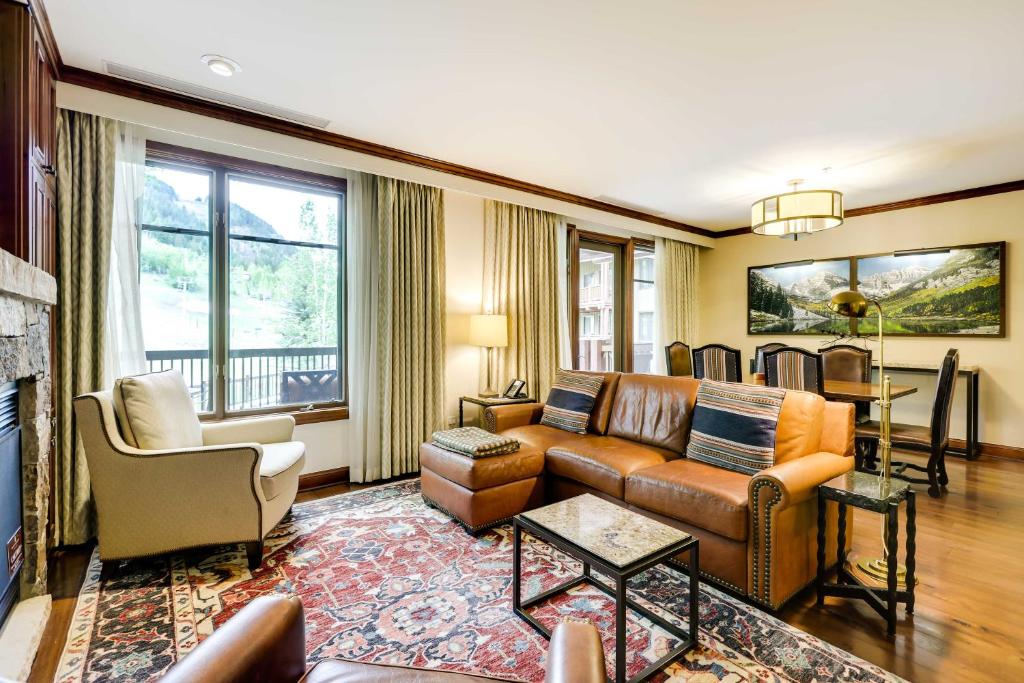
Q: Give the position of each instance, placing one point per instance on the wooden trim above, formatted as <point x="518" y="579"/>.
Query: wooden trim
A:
<point x="38" y="10"/>
<point x="992" y="450"/>
<point x="166" y="98"/>
<point x="971" y="193"/>
<point x="956" y="196"/>
<point x="318" y="480"/>
<point x="305" y="417"/>
<point x="572" y="253"/>
<point x="626" y="328"/>
<point x="161" y="151"/>
<point x="601" y="238"/>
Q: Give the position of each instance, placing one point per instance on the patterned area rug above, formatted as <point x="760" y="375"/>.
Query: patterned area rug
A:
<point x="384" y="578"/>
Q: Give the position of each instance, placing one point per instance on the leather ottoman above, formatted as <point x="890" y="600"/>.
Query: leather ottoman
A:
<point x="481" y="492"/>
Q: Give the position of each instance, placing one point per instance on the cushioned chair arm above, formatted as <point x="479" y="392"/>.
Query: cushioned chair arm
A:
<point x="265" y="641"/>
<point x="263" y="429"/>
<point x="499" y="418"/>
<point x="797" y="480"/>
<point x="575" y="654"/>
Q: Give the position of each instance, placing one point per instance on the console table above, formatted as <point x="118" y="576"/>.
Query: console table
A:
<point x="970" y="372"/>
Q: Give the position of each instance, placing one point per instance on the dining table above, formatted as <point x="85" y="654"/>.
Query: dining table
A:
<point x="842" y="390"/>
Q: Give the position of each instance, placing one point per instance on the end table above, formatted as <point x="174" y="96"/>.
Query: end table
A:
<point x="863" y="490"/>
<point x="488" y="402"/>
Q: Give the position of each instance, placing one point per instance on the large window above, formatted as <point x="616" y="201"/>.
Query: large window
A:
<point x="613" y="299"/>
<point x="242" y="281"/>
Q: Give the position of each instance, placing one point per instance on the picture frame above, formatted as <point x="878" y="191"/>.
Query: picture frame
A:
<point x="791" y="298"/>
<point x="516" y="389"/>
<point x="956" y="291"/>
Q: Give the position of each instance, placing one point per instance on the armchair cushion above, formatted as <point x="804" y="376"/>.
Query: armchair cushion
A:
<point x="277" y="459"/>
<point x="155" y="411"/>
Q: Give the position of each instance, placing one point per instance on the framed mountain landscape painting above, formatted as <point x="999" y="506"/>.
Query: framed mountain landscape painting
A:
<point x="792" y="298"/>
<point x="937" y="292"/>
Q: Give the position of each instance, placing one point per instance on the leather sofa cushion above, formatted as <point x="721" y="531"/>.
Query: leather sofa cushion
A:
<point x="543" y="437"/>
<point x="279" y="458"/>
<point x="482" y="473"/>
<point x="800" y="423"/>
<point x="342" y="671"/>
<point x="654" y="410"/>
<point x="602" y="411"/>
<point x="703" y="495"/>
<point x="155" y="411"/>
<point x="603" y="462"/>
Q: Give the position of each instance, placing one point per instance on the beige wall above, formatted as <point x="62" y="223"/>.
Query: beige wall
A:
<point x="985" y="219"/>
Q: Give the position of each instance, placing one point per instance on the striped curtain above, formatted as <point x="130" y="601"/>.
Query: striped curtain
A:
<point x="676" y="271"/>
<point x="85" y="205"/>
<point x="410" y="321"/>
<point x="521" y="282"/>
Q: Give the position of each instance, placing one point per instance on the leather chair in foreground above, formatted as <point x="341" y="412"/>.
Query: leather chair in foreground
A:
<point x="265" y="642"/>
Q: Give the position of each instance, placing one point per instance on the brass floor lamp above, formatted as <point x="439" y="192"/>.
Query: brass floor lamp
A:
<point x="854" y="305"/>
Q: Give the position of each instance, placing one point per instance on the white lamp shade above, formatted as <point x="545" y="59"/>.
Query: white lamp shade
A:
<point x="488" y="330"/>
<point x="797" y="213"/>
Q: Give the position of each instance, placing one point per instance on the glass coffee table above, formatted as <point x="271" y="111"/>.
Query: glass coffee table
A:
<point x="620" y="544"/>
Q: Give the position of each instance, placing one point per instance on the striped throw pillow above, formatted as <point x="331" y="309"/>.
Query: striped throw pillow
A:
<point x="734" y="426"/>
<point x="571" y="400"/>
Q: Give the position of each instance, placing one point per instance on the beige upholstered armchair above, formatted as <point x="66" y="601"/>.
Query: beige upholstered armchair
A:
<point x="163" y="481"/>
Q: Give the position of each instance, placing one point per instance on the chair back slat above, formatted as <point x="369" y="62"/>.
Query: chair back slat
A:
<point x="944" y="390"/>
<point x="718" y="362"/>
<point x="794" y="368"/>
<point x="677" y="360"/>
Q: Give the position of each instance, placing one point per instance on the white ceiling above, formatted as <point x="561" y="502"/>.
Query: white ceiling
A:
<point x="691" y="110"/>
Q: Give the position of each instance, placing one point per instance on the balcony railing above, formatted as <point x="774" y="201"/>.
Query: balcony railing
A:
<point x="255" y="377"/>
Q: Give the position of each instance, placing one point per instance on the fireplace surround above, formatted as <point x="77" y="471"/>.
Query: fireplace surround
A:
<point x="27" y="295"/>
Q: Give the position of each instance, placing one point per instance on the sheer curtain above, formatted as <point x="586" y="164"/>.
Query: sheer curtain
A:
<point x="124" y="350"/>
<point x="363" y="343"/>
<point x="675" y="281"/>
<point x="564" y="337"/>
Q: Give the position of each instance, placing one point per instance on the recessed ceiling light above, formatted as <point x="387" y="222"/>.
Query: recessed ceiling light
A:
<point x="220" y="65"/>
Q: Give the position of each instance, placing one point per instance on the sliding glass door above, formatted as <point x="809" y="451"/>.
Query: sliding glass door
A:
<point x="599" y="306"/>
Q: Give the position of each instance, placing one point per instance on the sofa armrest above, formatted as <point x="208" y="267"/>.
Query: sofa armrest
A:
<point x="265" y="641"/>
<point x="797" y="480"/>
<point x="262" y="429"/>
<point x="575" y="654"/>
<point x="499" y="418"/>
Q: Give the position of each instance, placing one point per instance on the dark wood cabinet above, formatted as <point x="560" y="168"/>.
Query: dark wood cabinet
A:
<point x="28" y="136"/>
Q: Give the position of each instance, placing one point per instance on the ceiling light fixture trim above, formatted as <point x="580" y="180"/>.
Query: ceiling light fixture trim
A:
<point x="800" y="212"/>
<point x="221" y="65"/>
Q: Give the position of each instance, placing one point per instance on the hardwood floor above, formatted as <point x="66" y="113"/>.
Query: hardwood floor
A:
<point x="968" y="623"/>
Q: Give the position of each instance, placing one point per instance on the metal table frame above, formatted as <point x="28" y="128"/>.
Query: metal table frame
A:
<point x="620" y="575"/>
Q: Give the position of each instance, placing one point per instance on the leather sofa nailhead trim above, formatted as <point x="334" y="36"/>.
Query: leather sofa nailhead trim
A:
<point x="763" y="595"/>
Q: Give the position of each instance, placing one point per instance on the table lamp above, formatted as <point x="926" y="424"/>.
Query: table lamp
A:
<point x="855" y="305"/>
<point x="489" y="331"/>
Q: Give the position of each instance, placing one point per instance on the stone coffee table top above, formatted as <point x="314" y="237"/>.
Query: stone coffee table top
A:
<point x="615" y="534"/>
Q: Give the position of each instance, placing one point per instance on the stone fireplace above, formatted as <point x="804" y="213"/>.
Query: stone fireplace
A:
<point x="26" y="297"/>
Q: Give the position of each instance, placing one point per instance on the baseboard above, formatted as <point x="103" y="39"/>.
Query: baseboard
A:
<point x="993" y="450"/>
<point x="316" y="480"/>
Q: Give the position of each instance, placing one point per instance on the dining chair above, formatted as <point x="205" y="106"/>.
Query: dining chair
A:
<point x="794" y="368"/>
<point x="718" y="362"/>
<point x="677" y="360"/>
<point x="757" y="362"/>
<point x="849" y="363"/>
<point x="932" y="439"/>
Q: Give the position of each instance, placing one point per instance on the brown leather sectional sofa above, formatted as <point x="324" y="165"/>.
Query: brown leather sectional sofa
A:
<point x="757" y="533"/>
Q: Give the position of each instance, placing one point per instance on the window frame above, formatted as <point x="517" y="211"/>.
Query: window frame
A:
<point x="221" y="169"/>
<point x="624" y="249"/>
